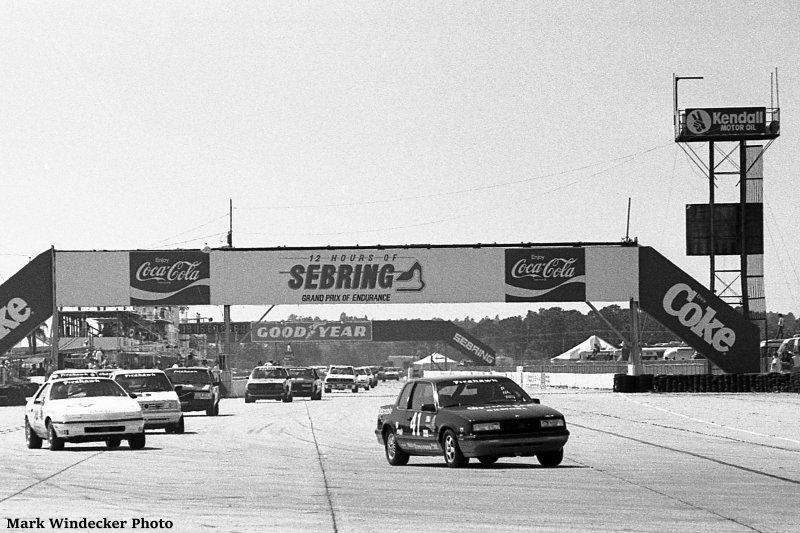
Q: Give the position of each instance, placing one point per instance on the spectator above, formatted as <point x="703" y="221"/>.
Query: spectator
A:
<point x="780" y="326"/>
<point x="775" y="365"/>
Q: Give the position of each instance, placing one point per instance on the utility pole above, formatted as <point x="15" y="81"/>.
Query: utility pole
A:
<point x="227" y="308"/>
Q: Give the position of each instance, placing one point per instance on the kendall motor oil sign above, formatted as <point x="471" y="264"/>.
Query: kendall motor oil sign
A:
<point x="725" y="122"/>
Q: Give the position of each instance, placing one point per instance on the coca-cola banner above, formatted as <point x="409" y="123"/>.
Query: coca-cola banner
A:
<point x="545" y="275"/>
<point x="698" y="316"/>
<point x="26" y="300"/>
<point x="170" y="278"/>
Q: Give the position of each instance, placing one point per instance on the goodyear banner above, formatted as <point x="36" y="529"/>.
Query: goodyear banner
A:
<point x="170" y="278"/>
<point x="26" y="300"/>
<point x="699" y="317"/>
<point x="310" y="331"/>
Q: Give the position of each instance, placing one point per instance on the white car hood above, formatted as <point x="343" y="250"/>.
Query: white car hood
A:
<point x="99" y="408"/>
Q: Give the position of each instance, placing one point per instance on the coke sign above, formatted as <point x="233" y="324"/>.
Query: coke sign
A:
<point x="170" y="278"/>
<point x="545" y="275"/>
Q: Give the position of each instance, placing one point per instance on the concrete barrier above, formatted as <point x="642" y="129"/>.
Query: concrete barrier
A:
<point x="542" y="380"/>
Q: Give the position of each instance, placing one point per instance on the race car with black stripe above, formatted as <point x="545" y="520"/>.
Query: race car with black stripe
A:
<point x="481" y="416"/>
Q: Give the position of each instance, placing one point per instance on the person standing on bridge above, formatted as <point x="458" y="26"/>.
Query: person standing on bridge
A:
<point x="780" y="326"/>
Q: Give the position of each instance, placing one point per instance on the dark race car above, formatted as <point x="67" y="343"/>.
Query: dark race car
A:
<point x="306" y="382"/>
<point x="197" y="388"/>
<point x="473" y="416"/>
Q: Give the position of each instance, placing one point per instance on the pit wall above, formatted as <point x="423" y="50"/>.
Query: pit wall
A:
<point x="541" y="380"/>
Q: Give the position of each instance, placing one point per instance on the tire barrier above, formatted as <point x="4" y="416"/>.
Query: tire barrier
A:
<point x="725" y="383"/>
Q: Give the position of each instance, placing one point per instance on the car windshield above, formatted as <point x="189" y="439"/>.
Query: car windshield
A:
<point x="480" y="391"/>
<point x="361" y="371"/>
<point x="85" y="389"/>
<point x="269" y="373"/>
<point x="179" y="376"/>
<point x="342" y="370"/>
<point x="301" y="373"/>
<point x="150" y="382"/>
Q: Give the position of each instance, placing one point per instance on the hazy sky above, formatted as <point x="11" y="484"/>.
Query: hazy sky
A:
<point x="130" y="125"/>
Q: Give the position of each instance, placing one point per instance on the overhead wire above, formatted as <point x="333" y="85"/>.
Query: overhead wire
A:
<point x="460" y="191"/>
<point x="619" y="162"/>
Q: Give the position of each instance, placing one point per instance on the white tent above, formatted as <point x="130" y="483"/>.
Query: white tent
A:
<point x="582" y="351"/>
<point x="435" y="360"/>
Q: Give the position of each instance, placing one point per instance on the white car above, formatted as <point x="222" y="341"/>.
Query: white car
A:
<point x="341" y="377"/>
<point x="83" y="410"/>
<point x="156" y="396"/>
<point x="363" y="377"/>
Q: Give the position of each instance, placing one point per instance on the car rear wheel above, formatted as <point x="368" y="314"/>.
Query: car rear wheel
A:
<point x="137" y="442"/>
<point x="177" y="427"/>
<point x="327" y="391"/>
<point x="113" y="442"/>
<point x="32" y="440"/>
<point x="550" y="459"/>
<point x="488" y="459"/>
<point x="213" y="410"/>
<point x="317" y="395"/>
<point x="248" y="399"/>
<point x="452" y="452"/>
<point x="355" y="389"/>
<point x="394" y="454"/>
<point x="55" y="442"/>
<point x="287" y="397"/>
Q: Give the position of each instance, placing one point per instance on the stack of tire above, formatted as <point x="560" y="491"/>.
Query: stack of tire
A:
<point x="725" y="383"/>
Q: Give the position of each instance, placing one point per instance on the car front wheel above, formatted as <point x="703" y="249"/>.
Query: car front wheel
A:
<point x="488" y="459"/>
<point x="32" y="440"/>
<point x="452" y="452"/>
<point x="287" y="397"/>
<point x="55" y="442"/>
<point x="550" y="459"/>
<point x="213" y="410"/>
<point x="394" y="454"/>
<point x="113" y="442"/>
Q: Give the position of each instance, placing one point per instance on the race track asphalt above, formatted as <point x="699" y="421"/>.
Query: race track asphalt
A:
<point x="634" y="462"/>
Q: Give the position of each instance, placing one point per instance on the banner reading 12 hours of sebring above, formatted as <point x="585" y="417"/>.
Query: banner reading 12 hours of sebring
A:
<point x="419" y="275"/>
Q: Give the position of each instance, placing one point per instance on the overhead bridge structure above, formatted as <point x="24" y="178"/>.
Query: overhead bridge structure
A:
<point x="528" y="272"/>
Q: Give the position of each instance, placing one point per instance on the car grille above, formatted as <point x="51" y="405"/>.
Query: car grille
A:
<point x="104" y="429"/>
<point x="301" y="387"/>
<point x="339" y="380"/>
<point x="154" y="406"/>
<point x="262" y="388"/>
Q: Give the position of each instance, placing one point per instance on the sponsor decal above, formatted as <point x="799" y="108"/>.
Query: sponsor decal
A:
<point x="170" y="278"/>
<point x="545" y="275"/>
<point x="726" y="121"/>
<point x="472" y="348"/>
<point x="26" y="300"/>
<point x="311" y="331"/>
<point x="204" y="328"/>
<point x="699" y="317"/>
<point x="354" y="277"/>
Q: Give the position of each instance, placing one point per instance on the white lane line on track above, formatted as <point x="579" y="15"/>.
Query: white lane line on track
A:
<point x="709" y="422"/>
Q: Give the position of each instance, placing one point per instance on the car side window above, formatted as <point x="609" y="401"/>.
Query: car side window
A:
<point x="43" y="393"/>
<point x="405" y="394"/>
<point x="423" y="393"/>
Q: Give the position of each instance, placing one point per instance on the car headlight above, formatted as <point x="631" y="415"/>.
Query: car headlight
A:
<point x="553" y="423"/>
<point x="486" y="426"/>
